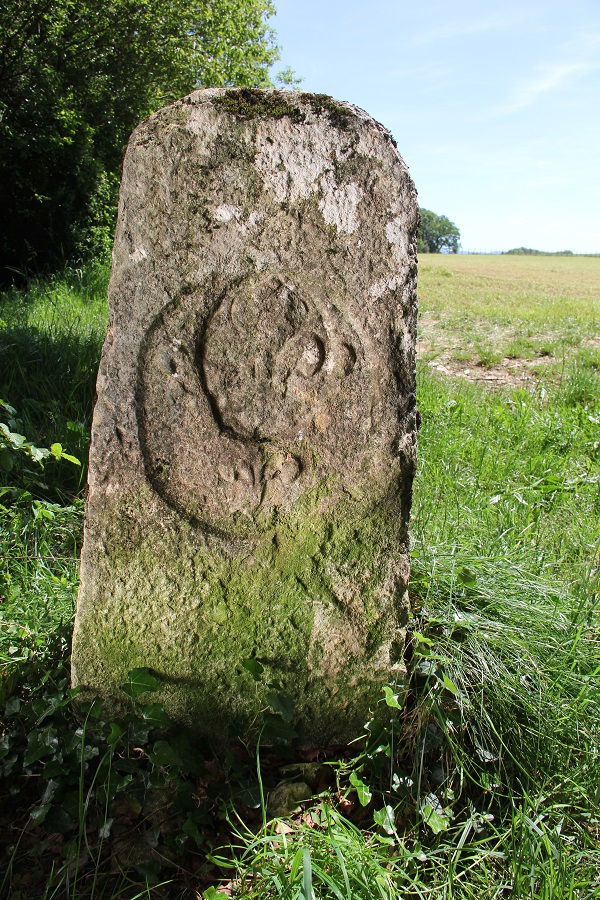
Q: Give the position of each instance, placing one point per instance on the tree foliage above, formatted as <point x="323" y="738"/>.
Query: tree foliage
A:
<point x="527" y="251"/>
<point x="437" y="234"/>
<point x="76" y="76"/>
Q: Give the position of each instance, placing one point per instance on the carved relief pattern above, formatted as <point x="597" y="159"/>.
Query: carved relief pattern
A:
<point x="231" y="400"/>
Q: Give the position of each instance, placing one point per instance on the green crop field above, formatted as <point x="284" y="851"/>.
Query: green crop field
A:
<point x="485" y="782"/>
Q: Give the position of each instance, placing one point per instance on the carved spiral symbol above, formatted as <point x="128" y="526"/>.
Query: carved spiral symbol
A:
<point x="236" y="404"/>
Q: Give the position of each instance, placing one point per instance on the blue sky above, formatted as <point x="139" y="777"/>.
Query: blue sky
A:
<point x="495" y="108"/>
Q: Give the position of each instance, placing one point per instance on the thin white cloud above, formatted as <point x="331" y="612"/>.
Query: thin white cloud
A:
<point x="578" y="57"/>
<point x="426" y="78"/>
<point x="466" y="28"/>
<point x="549" y="78"/>
<point x="585" y="43"/>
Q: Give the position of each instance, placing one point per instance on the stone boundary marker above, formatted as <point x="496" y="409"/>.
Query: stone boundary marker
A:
<point x="253" y="442"/>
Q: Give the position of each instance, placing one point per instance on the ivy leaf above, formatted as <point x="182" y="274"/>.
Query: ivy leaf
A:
<point x="163" y="754"/>
<point x="12" y="706"/>
<point x="391" y="698"/>
<point x="449" y="685"/>
<point x="362" y="790"/>
<point x="51" y="790"/>
<point x="41" y="742"/>
<point x="7" y="459"/>
<point x="156" y="715"/>
<point x="140" y="681"/>
<point x="421" y="639"/>
<point x="434" y="815"/>
<point x="39" y="813"/>
<point x="277" y="729"/>
<point x="115" y="733"/>
<point x="281" y="704"/>
<point x="422" y="646"/>
<point x="254" y="667"/>
<point x="385" y="818"/>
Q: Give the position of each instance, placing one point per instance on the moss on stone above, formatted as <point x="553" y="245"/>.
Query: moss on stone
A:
<point x="339" y="116"/>
<point x="195" y="618"/>
<point x="249" y="103"/>
<point x="353" y="167"/>
<point x="183" y="573"/>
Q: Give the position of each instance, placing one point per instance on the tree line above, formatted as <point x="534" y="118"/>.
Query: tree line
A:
<point x="76" y="76"/>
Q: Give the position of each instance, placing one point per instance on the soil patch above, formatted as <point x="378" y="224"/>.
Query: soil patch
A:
<point x="507" y="373"/>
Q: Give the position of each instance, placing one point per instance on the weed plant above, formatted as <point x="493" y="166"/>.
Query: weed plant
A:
<point x="485" y="783"/>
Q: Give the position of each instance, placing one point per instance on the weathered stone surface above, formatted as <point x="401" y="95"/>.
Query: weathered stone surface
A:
<point x="253" y="443"/>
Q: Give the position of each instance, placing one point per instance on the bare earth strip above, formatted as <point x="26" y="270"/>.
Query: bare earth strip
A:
<point x="507" y="320"/>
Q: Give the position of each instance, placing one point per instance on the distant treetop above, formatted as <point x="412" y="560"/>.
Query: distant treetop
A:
<point x="437" y="234"/>
<point x="527" y="251"/>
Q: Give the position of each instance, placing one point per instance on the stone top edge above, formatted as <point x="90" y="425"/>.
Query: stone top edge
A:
<point x="338" y="113"/>
<point x="299" y="97"/>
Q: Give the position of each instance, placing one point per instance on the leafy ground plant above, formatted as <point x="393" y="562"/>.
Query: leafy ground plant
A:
<point x="109" y="804"/>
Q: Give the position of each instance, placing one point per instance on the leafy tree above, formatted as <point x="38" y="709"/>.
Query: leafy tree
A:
<point x="437" y="234"/>
<point x="527" y="251"/>
<point x="76" y="76"/>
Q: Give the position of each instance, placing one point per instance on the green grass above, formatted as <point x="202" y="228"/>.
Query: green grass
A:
<point x="505" y="569"/>
<point x="486" y="783"/>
